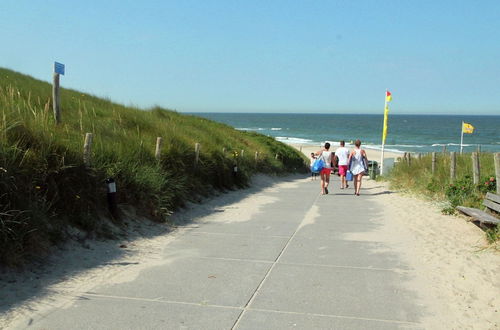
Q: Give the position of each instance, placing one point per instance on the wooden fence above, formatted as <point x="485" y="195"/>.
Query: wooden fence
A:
<point x="476" y="165"/>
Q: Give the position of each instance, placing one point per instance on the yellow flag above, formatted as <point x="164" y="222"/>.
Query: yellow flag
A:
<point x="467" y="128"/>
<point x="384" y="131"/>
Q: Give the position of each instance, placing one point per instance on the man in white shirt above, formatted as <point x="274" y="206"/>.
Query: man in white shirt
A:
<point x="342" y="155"/>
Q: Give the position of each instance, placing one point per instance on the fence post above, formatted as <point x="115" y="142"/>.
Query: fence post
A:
<point x="196" y="153"/>
<point x="476" y="171"/>
<point x="433" y="162"/>
<point x="453" y="165"/>
<point x="300" y="149"/>
<point x="87" y="149"/>
<point x="276" y="157"/>
<point x="159" y="143"/>
<point x="444" y="149"/>
<point x="419" y="156"/>
<point x="55" y="99"/>
<point x="242" y="152"/>
<point x="497" y="170"/>
<point x="256" y="156"/>
<point x="409" y="159"/>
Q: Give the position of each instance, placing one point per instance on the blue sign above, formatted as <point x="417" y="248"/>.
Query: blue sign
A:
<point x="59" y="68"/>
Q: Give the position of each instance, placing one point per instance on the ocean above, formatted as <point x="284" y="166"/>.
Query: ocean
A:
<point x="413" y="133"/>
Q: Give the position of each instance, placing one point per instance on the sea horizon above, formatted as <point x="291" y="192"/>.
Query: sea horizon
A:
<point x="406" y="133"/>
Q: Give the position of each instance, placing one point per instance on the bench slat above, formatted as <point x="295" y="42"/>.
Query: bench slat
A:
<point x="491" y="205"/>
<point x="493" y="197"/>
<point x="479" y="215"/>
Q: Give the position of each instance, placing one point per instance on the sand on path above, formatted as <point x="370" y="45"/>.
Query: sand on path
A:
<point x="456" y="276"/>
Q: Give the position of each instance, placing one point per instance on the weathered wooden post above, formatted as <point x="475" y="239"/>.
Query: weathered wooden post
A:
<point x="196" y="153"/>
<point x="444" y="149"/>
<point x="87" y="149"/>
<point x="159" y="143"/>
<point x="58" y="69"/>
<point x="409" y="159"/>
<point x="476" y="171"/>
<point x="300" y="149"/>
<point x="497" y="170"/>
<point x="242" y="152"/>
<point x="453" y="166"/>
<point x="433" y="162"/>
<point x="256" y="156"/>
<point x="419" y="156"/>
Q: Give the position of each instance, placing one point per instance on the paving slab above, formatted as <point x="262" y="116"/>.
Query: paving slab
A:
<point x="194" y="280"/>
<point x="268" y="226"/>
<point x="270" y="320"/>
<point x="106" y="313"/>
<point x="347" y="292"/>
<point x="327" y="251"/>
<point x="214" y="245"/>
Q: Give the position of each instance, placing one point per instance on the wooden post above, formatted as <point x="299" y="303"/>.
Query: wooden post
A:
<point x="224" y="150"/>
<point x="433" y="162"/>
<point x="497" y="170"/>
<point x="196" y="153"/>
<point x="55" y="99"/>
<point x="242" y="152"/>
<point x="409" y="159"/>
<point x="87" y="149"/>
<point x="453" y="166"/>
<point x="478" y="148"/>
<point x="300" y="149"/>
<point x="159" y="143"/>
<point x="476" y="171"/>
<point x="419" y="156"/>
<point x="444" y="149"/>
<point x="276" y="157"/>
<point x="256" y="156"/>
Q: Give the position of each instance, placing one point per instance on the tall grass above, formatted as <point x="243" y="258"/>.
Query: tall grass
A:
<point x="45" y="187"/>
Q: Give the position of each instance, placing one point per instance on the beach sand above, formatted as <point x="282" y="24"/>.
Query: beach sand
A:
<point x="372" y="154"/>
<point x="456" y="276"/>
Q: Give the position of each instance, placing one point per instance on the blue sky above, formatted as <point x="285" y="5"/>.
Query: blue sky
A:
<point x="265" y="56"/>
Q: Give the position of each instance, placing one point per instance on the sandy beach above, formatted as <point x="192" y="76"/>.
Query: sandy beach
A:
<point x="372" y="154"/>
<point x="452" y="269"/>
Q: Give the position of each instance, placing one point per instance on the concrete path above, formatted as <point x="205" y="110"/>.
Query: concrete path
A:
<point x="290" y="266"/>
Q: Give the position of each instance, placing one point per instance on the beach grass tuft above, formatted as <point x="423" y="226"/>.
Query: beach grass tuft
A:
<point x="45" y="187"/>
<point x="417" y="177"/>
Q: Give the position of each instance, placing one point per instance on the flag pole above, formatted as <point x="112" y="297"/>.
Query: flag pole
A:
<point x="383" y="140"/>
<point x="462" y="138"/>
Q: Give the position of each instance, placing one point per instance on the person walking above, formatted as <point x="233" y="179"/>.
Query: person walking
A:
<point x="326" y="155"/>
<point x="358" y="165"/>
<point x="342" y="154"/>
<point x="314" y="174"/>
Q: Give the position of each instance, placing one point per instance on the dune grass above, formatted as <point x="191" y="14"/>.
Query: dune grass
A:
<point x="417" y="177"/>
<point x="45" y="187"/>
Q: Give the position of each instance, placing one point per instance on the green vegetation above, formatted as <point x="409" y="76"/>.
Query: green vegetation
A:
<point x="45" y="187"/>
<point x="418" y="178"/>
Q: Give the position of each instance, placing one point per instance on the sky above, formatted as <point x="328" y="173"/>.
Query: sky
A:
<point x="309" y="56"/>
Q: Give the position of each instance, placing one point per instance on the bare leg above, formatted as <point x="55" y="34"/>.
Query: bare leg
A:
<point x="322" y="183"/>
<point x="358" y="182"/>
<point x="342" y="182"/>
<point x="355" y="182"/>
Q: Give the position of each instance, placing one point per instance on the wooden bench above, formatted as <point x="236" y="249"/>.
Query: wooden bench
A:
<point x="492" y="202"/>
